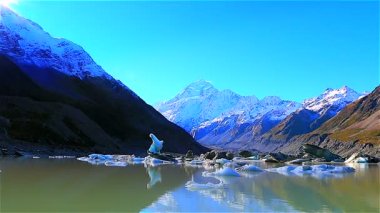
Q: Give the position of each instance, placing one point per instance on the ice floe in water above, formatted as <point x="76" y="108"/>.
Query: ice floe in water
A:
<point x="226" y="171"/>
<point x="100" y="157"/>
<point x="96" y="159"/>
<point x="361" y="160"/>
<point x="222" y="161"/>
<point x="154" y="161"/>
<point x="108" y="160"/>
<point x="250" y="168"/>
<point x="318" y="171"/>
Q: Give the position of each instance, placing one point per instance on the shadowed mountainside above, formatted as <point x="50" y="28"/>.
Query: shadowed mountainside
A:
<point x="48" y="108"/>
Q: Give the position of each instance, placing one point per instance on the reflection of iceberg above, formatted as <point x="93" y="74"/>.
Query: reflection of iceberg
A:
<point x="318" y="171"/>
<point x="154" y="175"/>
<point x="192" y="185"/>
<point x="115" y="163"/>
<point x="156" y="145"/>
<point x="137" y="160"/>
<point x="194" y="162"/>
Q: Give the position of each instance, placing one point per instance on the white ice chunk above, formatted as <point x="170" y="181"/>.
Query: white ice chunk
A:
<point x="250" y="168"/>
<point x="361" y="160"/>
<point x="156" y="144"/>
<point x="222" y="161"/>
<point x="154" y="161"/>
<point x="100" y="157"/>
<point x="318" y="171"/>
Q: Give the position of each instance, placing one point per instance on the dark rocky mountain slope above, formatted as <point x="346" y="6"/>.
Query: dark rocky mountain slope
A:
<point x="55" y="99"/>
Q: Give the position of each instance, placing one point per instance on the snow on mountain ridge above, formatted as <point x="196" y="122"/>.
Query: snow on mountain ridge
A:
<point x="201" y="104"/>
<point x="27" y="43"/>
<point x="332" y="97"/>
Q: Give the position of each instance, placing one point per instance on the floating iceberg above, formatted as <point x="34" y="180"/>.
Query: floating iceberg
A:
<point x="361" y="160"/>
<point x="154" y="161"/>
<point x="156" y="145"/>
<point x="222" y="161"/>
<point x="250" y="168"/>
<point x="226" y="171"/>
<point x="96" y="159"/>
<point x="108" y="160"/>
<point x="319" y="171"/>
<point x="231" y="164"/>
<point x="100" y="157"/>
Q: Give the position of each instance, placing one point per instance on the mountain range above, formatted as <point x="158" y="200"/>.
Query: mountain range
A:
<point x="54" y="98"/>
<point x="226" y="120"/>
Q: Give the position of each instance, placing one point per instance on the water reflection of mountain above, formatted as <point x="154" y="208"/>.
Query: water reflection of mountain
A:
<point x="276" y="192"/>
<point x="37" y="185"/>
<point x="354" y="192"/>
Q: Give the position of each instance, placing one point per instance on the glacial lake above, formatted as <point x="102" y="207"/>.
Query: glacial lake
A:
<point x="69" y="185"/>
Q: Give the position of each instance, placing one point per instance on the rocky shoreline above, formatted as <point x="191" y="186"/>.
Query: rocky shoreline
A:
<point x="309" y="153"/>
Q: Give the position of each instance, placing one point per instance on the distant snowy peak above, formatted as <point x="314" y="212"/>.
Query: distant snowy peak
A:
<point x="201" y="104"/>
<point x="197" y="89"/>
<point x="28" y="44"/>
<point x="332" y="97"/>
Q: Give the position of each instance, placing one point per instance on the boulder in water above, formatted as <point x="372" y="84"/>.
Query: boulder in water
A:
<point x="210" y="155"/>
<point x="220" y="155"/>
<point x="189" y="155"/>
<point x="269" y="159"/>
<point x="245" y="154"/>
<point x="229" y="156"/>
<point x="320" y="152"/>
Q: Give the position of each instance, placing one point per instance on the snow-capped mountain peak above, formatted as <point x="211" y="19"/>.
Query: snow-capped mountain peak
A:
<point x="332" y="97"/>
<point x="28" y="44"/>
<point x="201" y="102"/>
<point x="196" y="89"/>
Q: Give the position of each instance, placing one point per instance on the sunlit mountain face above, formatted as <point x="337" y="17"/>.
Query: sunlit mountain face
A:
<point x="8" y="3"/>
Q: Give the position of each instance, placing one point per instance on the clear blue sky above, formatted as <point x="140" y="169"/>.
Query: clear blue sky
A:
<point x="291" y="49"/>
